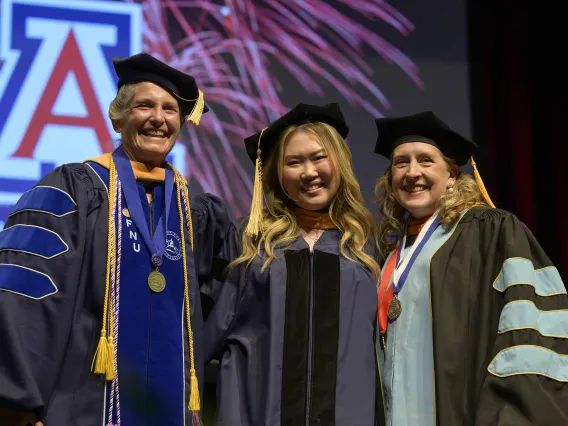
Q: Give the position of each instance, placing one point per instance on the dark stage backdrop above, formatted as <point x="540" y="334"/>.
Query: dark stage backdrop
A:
<point x="519" y="114"/>
<point x="254" y="61"/>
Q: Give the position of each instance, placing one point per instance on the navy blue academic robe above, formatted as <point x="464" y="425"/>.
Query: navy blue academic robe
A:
<point x="53" y="254"/>
<point x="296" y="342"/>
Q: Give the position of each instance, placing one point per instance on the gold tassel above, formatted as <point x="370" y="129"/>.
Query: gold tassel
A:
<point x="110" y="364"/>
<point x="481" y="185"/>
<point x="197" y="111"/>
<point x="100" y="360"/>
<point x="194" y="400"/>
<point x="254" y="226"/>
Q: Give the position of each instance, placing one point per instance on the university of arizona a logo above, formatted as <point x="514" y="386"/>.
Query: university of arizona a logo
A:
<point x="56" y="82"/>
<point x="173" y="246"/>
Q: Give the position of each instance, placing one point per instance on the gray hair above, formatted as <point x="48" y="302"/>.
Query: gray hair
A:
<point x="121" y="103"/>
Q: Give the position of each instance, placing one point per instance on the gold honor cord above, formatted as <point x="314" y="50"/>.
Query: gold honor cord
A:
<point x="104" y="359"/>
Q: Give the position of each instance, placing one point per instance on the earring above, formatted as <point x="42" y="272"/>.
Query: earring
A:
<point x="451" y="189"/>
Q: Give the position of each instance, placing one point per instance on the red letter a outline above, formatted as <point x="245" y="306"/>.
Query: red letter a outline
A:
<point x="69" y="60"/>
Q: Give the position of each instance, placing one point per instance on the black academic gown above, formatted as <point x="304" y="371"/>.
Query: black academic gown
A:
<point x="53" y="254"/>
<point x="500" y="352"/>
<point x="296" y="342"/>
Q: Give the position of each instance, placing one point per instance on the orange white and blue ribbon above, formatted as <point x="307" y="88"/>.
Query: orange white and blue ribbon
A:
<point x="396" y="270"/>
<point x="404" y="264"/>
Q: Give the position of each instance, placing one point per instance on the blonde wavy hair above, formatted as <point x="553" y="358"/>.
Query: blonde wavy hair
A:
<point x="393" y="215"/>
<point x="347" y="209"/>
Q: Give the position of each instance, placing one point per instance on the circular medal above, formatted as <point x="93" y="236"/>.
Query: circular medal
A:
<point x="156" y="281"/>
<point x="157" y="260"/>
<point x="395" y="308"/>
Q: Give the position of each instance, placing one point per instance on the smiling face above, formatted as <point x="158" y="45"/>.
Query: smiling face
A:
<point x="308" y="175"/>
<point x="152" y="125"/>
<point x="420" y="176"/>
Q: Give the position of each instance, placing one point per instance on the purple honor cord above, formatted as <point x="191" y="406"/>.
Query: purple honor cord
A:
<point x="157" y="243"/>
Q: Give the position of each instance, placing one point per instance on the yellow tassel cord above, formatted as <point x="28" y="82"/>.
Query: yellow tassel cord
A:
<point x="254" y="226"/>
<point x="110" y="366"/>
<point x="481" y="185"/>
<point x="181" y="185"/>
<point x="194" y="116"/>
<point x="103" y="361"/>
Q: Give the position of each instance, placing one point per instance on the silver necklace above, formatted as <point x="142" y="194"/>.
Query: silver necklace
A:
<point x="314" y="239"/>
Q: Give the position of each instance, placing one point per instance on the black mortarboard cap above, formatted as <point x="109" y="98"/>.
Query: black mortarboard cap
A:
<point x="144" y="67"/>
<point x="423" y="127"/>
<point x="302" y="113"/>
<point x="260" y="145"/>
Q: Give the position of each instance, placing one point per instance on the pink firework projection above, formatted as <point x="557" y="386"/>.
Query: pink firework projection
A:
<point x="240" y="52"/>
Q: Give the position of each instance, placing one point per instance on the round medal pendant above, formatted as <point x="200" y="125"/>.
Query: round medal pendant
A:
<point x="395" y="308"/>
<point x="156" y="281"/>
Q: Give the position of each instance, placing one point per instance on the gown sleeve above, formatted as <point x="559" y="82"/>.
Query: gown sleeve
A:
<point x="224" y="293"/>
<point x="213" y="230"/>
<point x="212" y="227"/>
<point x="41" y="256"/>
<point x="527" y="376"/>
